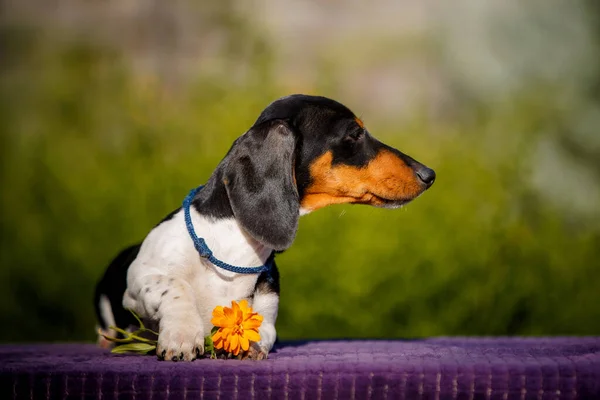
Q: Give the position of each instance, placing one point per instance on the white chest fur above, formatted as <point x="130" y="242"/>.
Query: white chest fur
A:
<point x="168" y="250"/>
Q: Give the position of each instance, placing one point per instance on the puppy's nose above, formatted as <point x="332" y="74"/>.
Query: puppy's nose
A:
<point x="426" y="175"/>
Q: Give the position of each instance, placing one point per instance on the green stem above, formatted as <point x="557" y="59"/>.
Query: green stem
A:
<point x="142" y="339"/>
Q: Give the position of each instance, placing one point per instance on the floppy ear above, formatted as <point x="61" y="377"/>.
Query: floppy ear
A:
<point x="259" y="179"/>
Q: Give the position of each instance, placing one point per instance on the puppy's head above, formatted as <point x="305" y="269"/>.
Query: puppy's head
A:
<point x="307" y="152"/>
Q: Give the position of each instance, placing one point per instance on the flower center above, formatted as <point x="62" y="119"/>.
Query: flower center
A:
<point x="238" y="330"/>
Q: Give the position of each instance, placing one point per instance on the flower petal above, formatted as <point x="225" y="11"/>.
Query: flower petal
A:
<point x="234" y="339"/>
<point x="239" y="315"/>
<point x="227" y="345"/>
<point x="244" y="343"/>
<point x="229" y="313"/>
<point x="244" y="307"/>
<point x="234" y="344"/>
<point x="218" y="311"/>
<point x="219" y="344"/>
<point x="252" y="335"/>
<point x="222" y="322"/>
<point x="249" y="316"/>
<point x="253" y="323"/>
<point x="220" y="334"/>
<point x="257" y="317"/>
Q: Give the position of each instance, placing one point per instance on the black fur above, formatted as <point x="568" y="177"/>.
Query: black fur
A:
<point x="260" y="185"/>
<point x="113" y="285"/>
<point x="268" y="282"/>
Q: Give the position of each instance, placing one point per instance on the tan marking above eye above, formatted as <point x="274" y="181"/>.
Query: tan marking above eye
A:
<point x="385" y="178"/>
<point x="359" y="122"/>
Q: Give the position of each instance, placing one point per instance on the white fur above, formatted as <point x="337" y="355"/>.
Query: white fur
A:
<point x="172" y="287"/>
<point x="106" y="311"/>
<point x="304" y="211"/>
<point x="109" y="319"/>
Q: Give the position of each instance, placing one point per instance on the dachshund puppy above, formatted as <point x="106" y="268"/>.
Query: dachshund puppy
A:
<point x="303" y="153"/>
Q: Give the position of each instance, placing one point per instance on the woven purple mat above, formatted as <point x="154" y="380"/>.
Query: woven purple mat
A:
<point x="459" y="368"/>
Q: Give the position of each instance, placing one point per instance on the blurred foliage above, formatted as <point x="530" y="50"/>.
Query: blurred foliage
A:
<point x="93" y="156"/>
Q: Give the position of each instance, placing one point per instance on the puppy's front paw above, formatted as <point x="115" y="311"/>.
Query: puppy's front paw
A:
<point x="180" y="339"/>
<point x="256" y="352"/>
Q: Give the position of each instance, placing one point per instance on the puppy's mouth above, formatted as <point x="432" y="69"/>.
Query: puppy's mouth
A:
<point x="379" y="201"/>
<point x="394" y="193"/>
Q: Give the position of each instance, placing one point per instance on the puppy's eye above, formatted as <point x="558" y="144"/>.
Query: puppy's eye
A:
<point x="356" y="135"/>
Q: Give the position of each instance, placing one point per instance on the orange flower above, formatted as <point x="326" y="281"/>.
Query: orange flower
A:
<point x="238" y="326"/>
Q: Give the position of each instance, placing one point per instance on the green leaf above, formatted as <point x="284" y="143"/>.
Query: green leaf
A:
<point x="214" y="330"/>
<point x="141" y="348"/>
<point x="143" y="339"/>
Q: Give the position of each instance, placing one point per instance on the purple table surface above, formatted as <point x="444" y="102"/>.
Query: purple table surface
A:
<point x="440" y="368"/>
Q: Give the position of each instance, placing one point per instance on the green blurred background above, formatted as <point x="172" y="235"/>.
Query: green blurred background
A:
<point x="111" y="111"/>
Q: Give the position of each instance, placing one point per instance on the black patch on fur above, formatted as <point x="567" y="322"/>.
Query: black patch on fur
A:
<point x="113" y="285"/>
<point x="296" y="105"/>
<point x="268" y="282"/>
<point x="264" y="199"/>
<point x="213" y="200"/>
<point x="356" y="147"/>
<point x="165" y="292"/>
<point x="253" y="182"/>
